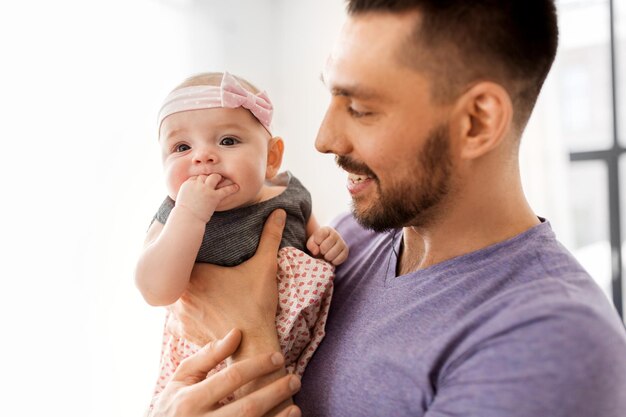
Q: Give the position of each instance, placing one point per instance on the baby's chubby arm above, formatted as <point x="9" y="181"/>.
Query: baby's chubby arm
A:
<point x="170" y="250"/>
<point x="325" y="241"/>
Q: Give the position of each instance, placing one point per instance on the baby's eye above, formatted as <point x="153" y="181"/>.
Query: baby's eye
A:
<point x="229" y="141"/>
<point x="182" y="147"/>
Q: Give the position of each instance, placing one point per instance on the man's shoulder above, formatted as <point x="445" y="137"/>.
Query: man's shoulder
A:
<point x="549" y="313"/>
<point x="345" y="221"/>
<point x="532" y="356"/>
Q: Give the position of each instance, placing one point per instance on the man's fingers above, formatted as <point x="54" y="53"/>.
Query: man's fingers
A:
<point x="291" y="411"/>
<point x="271" y="236"/>
<point x="195" y="368"/>
<point x="263" y="400"/>
<point x="233" y="377"/>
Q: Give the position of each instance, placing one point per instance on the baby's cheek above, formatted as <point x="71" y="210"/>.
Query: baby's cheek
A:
<point x="174" y="178"/>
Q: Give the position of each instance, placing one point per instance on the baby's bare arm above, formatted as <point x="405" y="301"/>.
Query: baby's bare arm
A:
<point x="169" y="254"/>
<point x="170" y="251"/>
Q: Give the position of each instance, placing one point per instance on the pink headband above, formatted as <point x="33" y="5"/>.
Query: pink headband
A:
<point x="230" y="94"/>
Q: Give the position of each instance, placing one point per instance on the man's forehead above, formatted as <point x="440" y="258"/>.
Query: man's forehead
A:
<point x="367" y="52"/>
<point x="375" y="36"/>
<point x="355" y="87"/>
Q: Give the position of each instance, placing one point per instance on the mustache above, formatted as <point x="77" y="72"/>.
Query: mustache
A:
<point x="349" y="164"/>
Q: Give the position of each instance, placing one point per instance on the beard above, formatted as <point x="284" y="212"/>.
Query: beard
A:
<point x="414" y="199"/>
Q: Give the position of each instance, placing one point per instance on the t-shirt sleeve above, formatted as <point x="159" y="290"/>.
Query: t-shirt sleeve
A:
<point x="164" y="211"/>
<point x="306" y="206"/>
<point x="300" y="194"/>
<point x="567" y="361"/>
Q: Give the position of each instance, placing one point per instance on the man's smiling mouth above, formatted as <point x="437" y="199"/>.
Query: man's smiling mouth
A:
<point x="357" y="178"/>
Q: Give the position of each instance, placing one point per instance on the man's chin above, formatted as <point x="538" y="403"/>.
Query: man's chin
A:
<point x="373" y="219"/>
<point x="381" y="217"/>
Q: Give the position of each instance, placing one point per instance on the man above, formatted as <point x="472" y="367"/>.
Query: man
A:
<point x="457" y="300"/>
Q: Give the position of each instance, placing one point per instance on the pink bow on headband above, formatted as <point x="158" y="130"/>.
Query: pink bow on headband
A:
<point x="230" y="94"/>
<point x="234" y="95"/>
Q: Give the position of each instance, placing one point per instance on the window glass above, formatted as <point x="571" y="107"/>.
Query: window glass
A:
<point x="590" y="218"/>
<point x="582" y="75"/>
<point x="619" y="16"/>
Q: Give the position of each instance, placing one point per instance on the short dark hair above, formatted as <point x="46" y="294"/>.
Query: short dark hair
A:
<point x="512" y="42"/>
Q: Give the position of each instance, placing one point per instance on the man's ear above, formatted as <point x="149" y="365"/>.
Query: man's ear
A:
<point x="484" y="114"/>
<point x="275" y="149"/>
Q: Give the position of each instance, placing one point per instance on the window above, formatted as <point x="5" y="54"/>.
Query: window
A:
<point x="586" y="74"/>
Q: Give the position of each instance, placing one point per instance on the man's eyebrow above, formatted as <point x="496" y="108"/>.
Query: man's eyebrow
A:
<point x="354" y="91"/>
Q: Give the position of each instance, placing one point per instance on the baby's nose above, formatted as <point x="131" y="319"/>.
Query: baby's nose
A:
<point x="203" y="156"/>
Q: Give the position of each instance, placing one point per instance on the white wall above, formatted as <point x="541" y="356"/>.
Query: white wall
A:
<point x="307" y="32"/>
<point x="79" y="79"/>
<point x="81" y="83"/>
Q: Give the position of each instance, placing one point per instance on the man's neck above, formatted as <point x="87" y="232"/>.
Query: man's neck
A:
<point x="463" y="231"/>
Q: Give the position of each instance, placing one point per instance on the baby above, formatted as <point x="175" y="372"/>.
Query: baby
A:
<point x="221" y="166"/>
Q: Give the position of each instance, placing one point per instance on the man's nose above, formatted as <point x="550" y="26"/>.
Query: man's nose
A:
<point x="332" y="135"/>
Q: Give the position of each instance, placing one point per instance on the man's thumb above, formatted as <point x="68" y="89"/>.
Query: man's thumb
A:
<point x="272" y="235"/>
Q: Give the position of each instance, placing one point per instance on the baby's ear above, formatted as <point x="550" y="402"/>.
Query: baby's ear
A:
<point x="275" y="150"/>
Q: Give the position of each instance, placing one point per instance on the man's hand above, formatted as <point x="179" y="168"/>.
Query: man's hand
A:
<point x="189" y="394"/>
<point x="327" y="242"/>
<point x="245" y="297"/>
<point x="200" y="196"/>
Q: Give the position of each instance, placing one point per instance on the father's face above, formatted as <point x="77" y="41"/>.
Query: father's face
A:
<point x="387" y="134"/>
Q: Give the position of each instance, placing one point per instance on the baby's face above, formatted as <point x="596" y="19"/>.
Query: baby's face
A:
<point x="229" y="142"/>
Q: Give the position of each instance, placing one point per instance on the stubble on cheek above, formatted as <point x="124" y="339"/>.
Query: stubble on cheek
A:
<point x="414" y="198"/>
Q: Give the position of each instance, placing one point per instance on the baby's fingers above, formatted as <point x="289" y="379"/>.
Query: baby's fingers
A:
<point x="321" y="235"/>
<point x="313" y="247"/>
<point x="227" y="190"/>
<point x="212" y="180"/>
<point x="337" y="254"/>
<point x="329" y="243"/>
<point x="316" y="239"/>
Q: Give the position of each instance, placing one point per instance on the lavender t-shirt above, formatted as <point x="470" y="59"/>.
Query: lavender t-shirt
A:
<point x="517" y="329"/>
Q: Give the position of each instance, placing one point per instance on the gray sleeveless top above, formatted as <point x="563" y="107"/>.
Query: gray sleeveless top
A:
<point x="232" y="236"/>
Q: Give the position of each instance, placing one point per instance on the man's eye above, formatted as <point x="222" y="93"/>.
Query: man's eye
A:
<point x="357" y="114"/>
<point x="228" y="141"/>
<point x="182" y="147"/>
